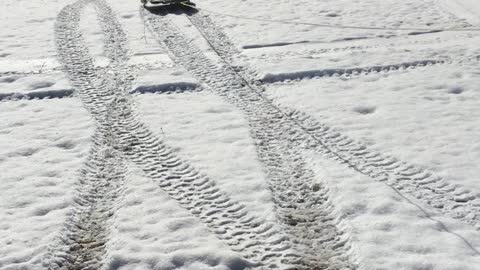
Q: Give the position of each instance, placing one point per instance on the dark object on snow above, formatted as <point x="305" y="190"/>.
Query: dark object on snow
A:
<point x="152" y="4"/>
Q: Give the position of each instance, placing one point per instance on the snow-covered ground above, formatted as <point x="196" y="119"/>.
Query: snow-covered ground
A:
<point x="427" y="115"/>
<point x="43" y="145"/>
<point x="411" y="95"/>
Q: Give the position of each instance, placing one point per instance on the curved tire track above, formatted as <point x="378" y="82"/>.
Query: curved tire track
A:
<point x="120" y="137"/>
<point x="255" y="239"/>
<point x="418" y="183"/>
<point x="302" y="206"/>
<point x="100" y="185"/>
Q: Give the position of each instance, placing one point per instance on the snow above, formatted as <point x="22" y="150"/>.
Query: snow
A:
<point x="32" y="83"/>
<point x="427" y="116"/>
<point x="409" y="94"/>
<point x="27" y="29"/>
<point x="43" y="143"/>
<point x="466" y="9"/>
<point x="280" y="64"/>
<point x="165" y="237"/>
<point x="214" y="137"/>
<point x="391" y="233"/>
<point x="389" y="13"/>
<point x="164" y="80"/>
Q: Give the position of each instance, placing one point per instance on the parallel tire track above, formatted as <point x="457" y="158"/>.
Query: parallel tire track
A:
<point x="302" y="206"/>
<point x="120" y="138"/>
<point x="418" y="183"/>
<point x="255" y="239"/>
<point x="252" y="237"/>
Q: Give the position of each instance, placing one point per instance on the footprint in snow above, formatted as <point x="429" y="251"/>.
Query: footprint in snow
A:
<point x="456" y="90"/>
<point x="40" y="85"/>
<point x="332" y="14"/>
<point x="365" y="109"/>
<point x="9" y="79"/>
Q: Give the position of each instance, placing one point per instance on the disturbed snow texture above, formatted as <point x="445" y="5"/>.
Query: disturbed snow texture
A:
<point x="390" y="232"/>
<point x="162" y="235"/>
<point x="426" y="115"/>
<point x="214" y="137"/>
<point x="389" y="13"/>
<point x="34" y="83"/>
<point x="43" y="144"/>
<point x="466" y="9"/>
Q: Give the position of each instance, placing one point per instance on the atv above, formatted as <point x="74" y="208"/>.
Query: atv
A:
<point x="152" y="4"/>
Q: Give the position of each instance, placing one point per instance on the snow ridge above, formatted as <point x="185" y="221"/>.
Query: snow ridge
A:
<point x="309" y="74"/>
<point x="166" y="88"/>
<point x="270" y="78"/>
<point x="49" y="94"/>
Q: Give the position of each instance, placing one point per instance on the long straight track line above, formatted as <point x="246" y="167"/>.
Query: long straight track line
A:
<point x="417" y="183"/>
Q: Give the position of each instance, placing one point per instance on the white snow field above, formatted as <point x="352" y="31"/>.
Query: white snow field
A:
<point x="240" y="135"/>
<point x="43" y="145"/>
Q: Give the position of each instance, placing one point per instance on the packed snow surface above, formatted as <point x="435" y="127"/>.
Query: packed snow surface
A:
<point x="43" y="145"/>
<point x="219" y="138"/>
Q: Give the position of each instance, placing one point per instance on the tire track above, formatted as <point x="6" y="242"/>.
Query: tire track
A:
<point x="255" y="239"/>
<point x="120" y="138"/>
<point x="302" y="206"/>
<point x="227" y="49"/>
<point x="418" y="183"/>
<point x="82" y="243"/>
<point x="337" y="72"/>
<point x="86" y="230"/>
